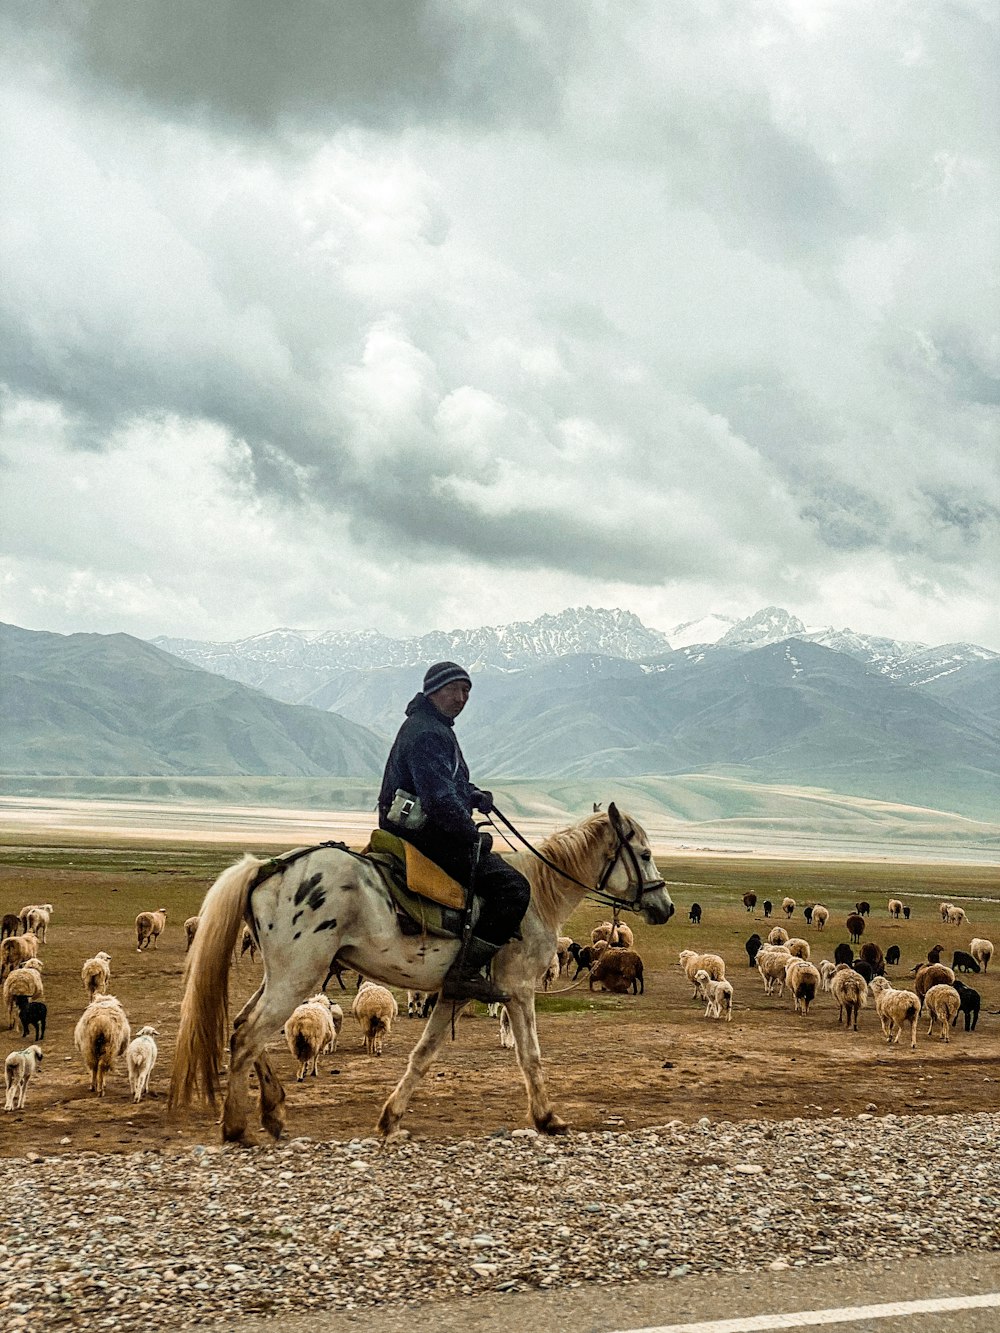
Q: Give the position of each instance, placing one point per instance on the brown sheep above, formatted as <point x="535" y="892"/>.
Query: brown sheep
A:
<point x="850" y="990"/>
<point x="96" y="974"/>
<point x="856" y="927"/>
<point x="932" y="974"/>
<point x="618" y="970"/>
<point x="803" y="980"/>
<point x="941" y="1005"/>
<point x="15" y="951"/>
<point x="101" y="1036"/>
<point x="374" y="1007"/>
<point x="24" y="980"/>
<point x="874" y="957"/>
<point x="617" y="934"/>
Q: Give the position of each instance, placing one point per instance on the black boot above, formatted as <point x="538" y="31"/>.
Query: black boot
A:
<point x="464" y="980"/>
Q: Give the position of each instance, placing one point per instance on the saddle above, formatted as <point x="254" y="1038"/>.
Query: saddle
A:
<point x="428" y="901"/>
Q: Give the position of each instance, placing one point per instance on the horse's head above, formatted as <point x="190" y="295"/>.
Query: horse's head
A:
<point x="632" y="876"/>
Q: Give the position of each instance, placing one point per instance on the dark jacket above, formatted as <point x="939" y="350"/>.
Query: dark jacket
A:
<point x="426" y="761"/>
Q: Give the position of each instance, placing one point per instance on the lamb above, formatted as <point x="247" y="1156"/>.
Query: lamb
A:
<point x="850" y="990"/>
<point x="942" y="1005"/>
<point x="311" y="1030"/>
<point x="826" y="971"/>
<point x="750" y="901"/>
<point x="874" y="957"/>
<point x="190" y="930"/>
<point x="101" y="1036"/>
<point x="36" y="919"/>
<point x="894" y="1008"/>
<point x="963" y="962"/>
<point x="788" y="906"/>
<point x="779" y="935"/>
<point x="619" y="970"/>
<point x="18" y="1070"/>
<point x="855" y="926"/>
<point x="586" y="956"/>
<point x="149" y="927"/>
<point x="982" y="952"/>
<point x="906" y="913"/>
<point x="374" y="1007"/>
<point x="798" y="948"/>
<point x="752" y="946"/>
<point x="32" y="1014"/>
<point x="803" y="980"/>
<point x="768" y="907"/>
<point x="26" y="981"/>
<point x="96" y="974"/>
<point x="807" y="914"/>
<point x="969" y="1005"/>
<point x="892" y="955"/>
<point x="821" y="915"/>
<point x="140" y="1057"/>
<point x="771" y="964"/>
<point x="932" y="974"/>
<point x="956" y="916"/>
<point x="615" y="933"/>
<point x="895" y="908"/>
<point x="863" y="908"/>
<point x="691" y="962"/>
<point x="694" y="916"/>
<point x="719" y="997"/>
<point x="9" y="925"/>
<point x="15" y="952"/>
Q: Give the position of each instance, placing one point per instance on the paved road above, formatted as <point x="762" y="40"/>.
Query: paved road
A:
<point x="596" y="1309"/>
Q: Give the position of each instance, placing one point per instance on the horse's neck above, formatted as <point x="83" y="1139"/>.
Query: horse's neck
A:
<point x="555" y="896"/>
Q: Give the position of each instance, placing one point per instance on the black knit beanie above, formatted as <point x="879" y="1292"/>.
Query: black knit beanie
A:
<point x="443" y="673"/>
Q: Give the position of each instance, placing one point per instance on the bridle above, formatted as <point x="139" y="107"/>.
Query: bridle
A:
<point x="624" y="852"/>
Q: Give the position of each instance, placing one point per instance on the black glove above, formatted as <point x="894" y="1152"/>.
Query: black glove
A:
<point x="483" y="802"/>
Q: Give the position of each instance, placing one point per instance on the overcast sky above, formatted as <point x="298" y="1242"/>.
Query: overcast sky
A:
<point x="373" y="313"/>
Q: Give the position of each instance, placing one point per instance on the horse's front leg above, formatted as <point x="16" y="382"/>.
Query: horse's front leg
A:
<point x="521" y="1008"/>
<point x="421" y="1058"/>
<point x="272" y="1096"/>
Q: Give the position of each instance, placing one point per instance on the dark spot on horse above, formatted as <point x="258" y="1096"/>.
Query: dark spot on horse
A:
<point x="297" y="915"/>
<point x="306" y="887"/>
<point x="297" y="935"/>
<point x="346" y="888"/>
<point x="325" y="925"/>
<point x="270" y="925"/>
<point x="316" y="900"/>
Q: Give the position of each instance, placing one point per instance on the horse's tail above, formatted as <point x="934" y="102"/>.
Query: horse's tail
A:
<point x="204" y="1023"/>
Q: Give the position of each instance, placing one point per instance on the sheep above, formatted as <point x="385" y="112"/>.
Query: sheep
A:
<point x="932" y="974"/>
<point x="148" y="928"/>
<point x="934" y="954"/>
<point x="855" y="927"/>
<point x="562" y="949"/>
<point x="32" y="1014"/>
<point x="768" y="907"/>
<point x="894" y="1008"/>
<point x="874" y="957"/>
<point x="140" y="1057"/>
<point x="944" y="909"/>
<point x="942" y="1005"/>
<point x="615" y="933"/>
<point x="694" y="916"/>
<point x="863" y="908"/>
<point x="586" y="956"/>
<point x="18" y="1069"/>
<point x="101" y="1036"/>
<point x="190" y="929"/>
<point x="619" y="970"/>
<point x="826" y="971"/>
<point x="36" y="919"/>
<point x="551" y="974"/>
<point x="15" y="951"/>
<point x="779" y="935"/>
<point x="752" y="945"/>
<point x="969" y="1005"/>
<point x="417" y="1004"/>
<point x="96" y="973"/>
<point x="956" y="916"/>
<point x="895" y="908"/>
<point x="24" y="981"/>
<point x="892" y="955"/>
<point x="506" y="1030"/>
<point x="771" y="964"/>
<point x="374" y="1007"/>
<point x="820" y="916"/>
<point x="807" y="914"/>
<point x="798" y="948"/>
<point x="719" y="997"/>
<point x="843" y="954"/>
<point x="802" y="979"/>
<point x="906" y="913"/>
<point x="9" y="925"/>
<point x="310" y="1031"/>
<point x="691" y="962"/>
<point x="863" y="969"/>
<point x="750" y="901"/>
<point x="788" y="906"/>
<point x="982" y="952"/>
<point x="963" y="962"/>
<point x="248" y="944"/>
<point x="850" y="990"/>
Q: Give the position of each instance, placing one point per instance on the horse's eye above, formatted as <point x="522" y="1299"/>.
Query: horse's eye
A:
<point x="647" y="856"/>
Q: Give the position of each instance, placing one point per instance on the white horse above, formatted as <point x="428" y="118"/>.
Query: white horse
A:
<point x="332" y="906"/>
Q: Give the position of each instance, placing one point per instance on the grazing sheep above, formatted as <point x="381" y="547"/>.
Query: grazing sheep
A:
<point x="18" y="1069"/>
<point x="874" y="957"/>
<point x="752" y="945"/>
<point x="934" y="954"/>
<point x="310" y="1031"/>
<point x="618" y="970"/>
<point x="843" y="954"/>
<point x="944" y="909"/>
<point x="190" y="930"/>
<point x="691" y="962"/>
<point x="551" y="974"/>
<point x="798" y="948"/>
<point x="140" y="1057"/>
<point x="850" y="990"/>
<point x="969" y="1005"/>
<point x="892" y="955"/>
<point x="101" y="1036"/>
<point x="615" y="933"/>
<point x="15" y="952"/>
<point x="768" y="907"/>
<point x="788" y="906"/>
<point x="982" y="952"/>
<point x="895" y="908"/>
<point x="32" y="1014"/>
<point x="894" y="1008"/>
<point x="963" y="962"/>
<point x="750" y="901"/>
<point x="96" y="974"/>
<point x="778" y="935"/>
<point x="374" y="1007"/>
<point x="149" y="927"/>
<point x="248" y="944"/>
<point x="26" y="981"/>
<point x="9" y="925"/>
<point x="942" y="1005"/>
<point x="855" y="927"/>
<point x="826" y="971"/>
<point x="956" y="916"/>
<point x="803" y="980"/>
<point x="586" y="956"/>
<point x="771" y="964"/>
<point x="863" y="908"/>
<point x="820" y="916"/>
<point x="694" y="916"/>
<point x="719" y="999"/>
<point x="932" y="974"/>
<point x="807" y="914"/>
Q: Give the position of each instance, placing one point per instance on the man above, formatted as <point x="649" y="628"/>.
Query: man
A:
<point x="428" y="799"/>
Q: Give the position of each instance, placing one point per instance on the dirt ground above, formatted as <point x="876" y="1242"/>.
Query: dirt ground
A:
<point x="611" y="1061"/>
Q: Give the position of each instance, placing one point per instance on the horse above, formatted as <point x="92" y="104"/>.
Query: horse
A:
<point x="330" y="907"/>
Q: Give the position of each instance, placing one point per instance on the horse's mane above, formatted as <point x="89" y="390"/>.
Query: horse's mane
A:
<point x="572" y="849"/>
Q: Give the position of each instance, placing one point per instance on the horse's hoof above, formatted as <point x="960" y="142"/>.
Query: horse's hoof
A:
<point x="395" y="1136"/>
<point x="550" y="1123"/>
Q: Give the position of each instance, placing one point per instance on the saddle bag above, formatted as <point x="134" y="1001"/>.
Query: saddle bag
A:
<point x="422" y="891"/>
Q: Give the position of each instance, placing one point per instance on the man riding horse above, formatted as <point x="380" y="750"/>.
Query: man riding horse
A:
<point x="427" y="799"/>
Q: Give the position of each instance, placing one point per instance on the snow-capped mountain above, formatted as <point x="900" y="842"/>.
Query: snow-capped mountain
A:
<point x="707" y="629"/>
<point x="771" y="625"/>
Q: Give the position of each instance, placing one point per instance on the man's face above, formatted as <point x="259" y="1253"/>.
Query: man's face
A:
<point x="450" y="699"/>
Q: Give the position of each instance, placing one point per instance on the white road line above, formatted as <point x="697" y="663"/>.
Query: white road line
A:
<point x="846" y="1314"/>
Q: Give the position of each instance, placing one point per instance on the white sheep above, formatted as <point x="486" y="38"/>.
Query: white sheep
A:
<point x="248" y="944"/>
<point x="190" y="930"/>
<point x="944" y="909"/>
<point x="719" y="998"/>
<point x="36" y="919"/>
<point x="149" y="926"/>
<point x="771" y="964"/>
<point x="895" y="908"/>
<point x="101" y="1036"/>
<point x="941" y="1005"/>
<point x="562" y="952"/>
<point x="894" y="1008"/>
<point x="418" y="1003"/>
<point x="820" y="916"/>
<point x="778" y="935"/>
<point x="690" y="962"/>
<point x="788" y="906"/>
<point x="803" y="980"/>
<point x="310" y="1031"/>
<point x="15" y="951"/>
<point x="614" y="933"/>
<point x="826" y="971"/>
<point x="140" y="1057"/>
<point x="850" y="990"/>
<point x="956" y="916"/>
<point x="17" y="1071"/>
<point x="982" y="952"/>
<point x="96" y="974"/>
<point x="374" y="1007"/>
<point x="551" y="974"/>
<point x="798" y="948"/>
<point x="24" y="980"/>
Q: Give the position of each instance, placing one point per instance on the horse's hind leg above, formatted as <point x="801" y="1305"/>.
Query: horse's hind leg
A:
<point x="521" y="1008"/>
<point x="421" y="1058"/>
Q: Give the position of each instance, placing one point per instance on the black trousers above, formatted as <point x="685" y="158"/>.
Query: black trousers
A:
<point x="505" y="895"/>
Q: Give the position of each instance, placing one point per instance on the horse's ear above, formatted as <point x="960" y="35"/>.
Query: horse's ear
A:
<point x="597" y="806"/>
<point x="614" y="816"/>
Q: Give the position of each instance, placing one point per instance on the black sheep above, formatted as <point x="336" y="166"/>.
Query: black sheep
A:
<point x="963" y="962"/>
<point x="906" y="913"/>
<point x="694" y="916"/>
<point x="872" y="955"/>
<point x="752" y="947"/>
<point x="863" y="969"/>
<point x="863" y="909"/>
<point x="583" y="957"/>
<point x="768" y="907"/>
<point x="807" y="912"/>
<point x="10" y="924"/>
<point x="843" y="954"/>
<point x="934" y="955"/>
<point x="892" y="955"/>
<point x="969" y="1005"/>
<point x="32" y="1014"/>
<point x="750" y="901"/>
<point x="855" y="927"/>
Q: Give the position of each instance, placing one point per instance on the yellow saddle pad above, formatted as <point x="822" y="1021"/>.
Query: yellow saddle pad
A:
<point x="422" y="875"/>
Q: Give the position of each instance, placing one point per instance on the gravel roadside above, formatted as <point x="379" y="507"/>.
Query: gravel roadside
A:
<point x="181" y="1240"/>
